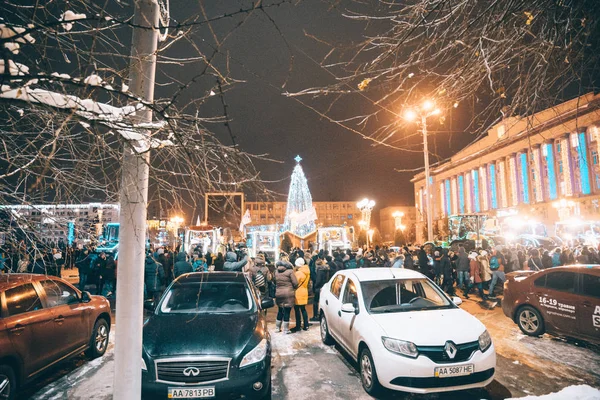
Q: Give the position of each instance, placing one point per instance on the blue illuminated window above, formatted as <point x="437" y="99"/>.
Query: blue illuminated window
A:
<point x="524" y="178"/>
<point x="493" y="186"/>
<point x="476" y="190"/>
<point x="552" y="192"/>
<point x="595" y="161"/>
<point x="584" y="172"/>
<point x="461" y="194"/>
<point x="448" y="197"/>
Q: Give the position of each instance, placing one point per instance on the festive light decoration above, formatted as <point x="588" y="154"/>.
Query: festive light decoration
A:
<point x="538" y="189"/>
<point x="454" y="197"/>
<point x="485" y="199"/>
<point x="443" y="199"/>
<point x="461" y="194"/>
<point x="299" y="201"/>
<point x="548" y="151"/>
<point x="524" y="178"/>
<point x="448" y="198"/>
<point x="469" y="193"/>
<point x="493" y="187"/>
<point x="582" y="157"/>
<point x="476" y="196"/>
<point x="514" y="187"/>
<point x="567" y="178"/>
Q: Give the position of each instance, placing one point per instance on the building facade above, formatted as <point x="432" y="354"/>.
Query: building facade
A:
<point x="64" y="221"/>
<point x="390" y="222"/>
<point x="329" y="213"/>
<point x="545" y="167"/>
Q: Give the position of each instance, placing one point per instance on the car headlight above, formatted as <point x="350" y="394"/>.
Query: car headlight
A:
<point x="401" y="347"/>
<point x="255" y="355"/>
<point x="485" y="341"/>
<point x="144" y="367"/>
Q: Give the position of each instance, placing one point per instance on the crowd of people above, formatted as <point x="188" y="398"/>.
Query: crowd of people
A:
<point x="300" y="272"/>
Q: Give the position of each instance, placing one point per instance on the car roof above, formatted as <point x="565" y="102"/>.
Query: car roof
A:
<point x="8" y="281"/>
<point x="197" y="277"/>
<point x="378" y="274"/>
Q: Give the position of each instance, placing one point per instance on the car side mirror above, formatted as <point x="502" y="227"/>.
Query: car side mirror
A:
<point x="457" y="300"/>
<point x="149" y="305"/>
<point x="86" y="297"/>
<point x="348" y="308"/>
<point x="267" y="303"/>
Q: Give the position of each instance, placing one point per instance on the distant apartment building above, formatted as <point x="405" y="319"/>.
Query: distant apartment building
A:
<point x="389" y="222"/>
<point x="328" y="212"/>
<point x="53" y="222"/>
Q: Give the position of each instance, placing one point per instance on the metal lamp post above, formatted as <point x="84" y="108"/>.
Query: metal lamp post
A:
<point x="365" y="206"/>
<point x="427" y="109"/>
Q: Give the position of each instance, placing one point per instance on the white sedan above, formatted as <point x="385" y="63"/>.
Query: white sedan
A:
<point x="404" y="332"/>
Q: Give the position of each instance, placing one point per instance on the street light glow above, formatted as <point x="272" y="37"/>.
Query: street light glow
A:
<point x="410" y="115"/>
<point x="428" y="105"/>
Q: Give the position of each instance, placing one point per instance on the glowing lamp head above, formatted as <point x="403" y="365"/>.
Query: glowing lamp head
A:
<point x="410" y="115"/>
<point x="436" y="112"/>
<point x="428" y="105"/>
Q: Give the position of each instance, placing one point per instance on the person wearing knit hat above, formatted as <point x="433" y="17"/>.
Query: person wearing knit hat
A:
<point x="302" y="272"/>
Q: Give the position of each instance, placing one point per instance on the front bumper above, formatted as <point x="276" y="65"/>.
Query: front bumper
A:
<point x="417" y="375"/>
<point x="239" y="384"/>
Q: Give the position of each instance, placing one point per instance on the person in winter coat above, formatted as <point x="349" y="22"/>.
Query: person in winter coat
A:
<point x="446" y="267"/>
<point x="409" y="263"/>
<point x="182" y="266"/>
<point x="546" y="260"/>
<point x="398" y="261"/>
<point x="462" y="268"/>
<point x="338" y="259"/>
<point x="23" y="266"/>
<point x="437" y="267"/>
<point x="83" y="264"/>
<point x="219" y="262"/>
<point x="475" y="274"/>
<point x="154" y="274"/>
<point x="39" y="267"/>
<point x="323" y="272"/>
<point x="534" y="263"/>
<point x="556" y="257"/>
<point x="260" y="274"/>
<point x="303" y="277"/>
<point x="107" y="276"/>
<point x="231" y="263"/>
<point x="99" y="265"/>
<point x="285" y="296"/>
<point x="486" y="272"/>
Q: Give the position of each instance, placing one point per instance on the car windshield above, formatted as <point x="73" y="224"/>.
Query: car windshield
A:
<point x="399" y="295"/>
<point x="207" y="297"/>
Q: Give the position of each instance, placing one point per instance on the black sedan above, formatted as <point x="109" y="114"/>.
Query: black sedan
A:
<point x="207" y="338"/>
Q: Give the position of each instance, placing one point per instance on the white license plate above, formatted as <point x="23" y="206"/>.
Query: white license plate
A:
<point x="457" y="370"/>
<point x="191" y="392"/>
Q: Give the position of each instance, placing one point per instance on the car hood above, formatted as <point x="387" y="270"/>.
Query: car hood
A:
<point x="432" y="327"/>
<point x="189" y="334"/>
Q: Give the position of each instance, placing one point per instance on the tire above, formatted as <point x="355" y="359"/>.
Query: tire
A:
<point x="99" y="339"/>
<point x="368" y="374"/>
<point x="325" y="336"/>
<point x="8" y="383"/>
<point x="530" y="321"/>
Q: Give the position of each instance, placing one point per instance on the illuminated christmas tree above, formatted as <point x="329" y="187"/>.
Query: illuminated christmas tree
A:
<point x="300" y="216"/>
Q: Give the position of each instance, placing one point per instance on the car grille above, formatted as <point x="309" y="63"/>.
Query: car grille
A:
<point x="438" y="355"/>
<point x="427" y="383"/>
<point x="192" y="371"/>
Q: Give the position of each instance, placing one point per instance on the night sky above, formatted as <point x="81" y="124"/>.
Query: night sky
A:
<point x="339" y="164"/>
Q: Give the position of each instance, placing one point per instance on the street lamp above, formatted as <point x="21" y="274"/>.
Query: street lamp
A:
<point x="370" y="237"/>
<point x="365" y="206"/>
<point x="398" y="219"/>
<point x="177" y="221"/>
<point x="427" y="109"/>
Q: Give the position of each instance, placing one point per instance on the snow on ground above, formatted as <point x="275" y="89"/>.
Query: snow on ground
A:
<point x="579" y="392"/>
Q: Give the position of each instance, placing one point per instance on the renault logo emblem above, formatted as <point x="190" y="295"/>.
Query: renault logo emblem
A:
<point x="191" y="371"/>
<point x="450" y="349"/>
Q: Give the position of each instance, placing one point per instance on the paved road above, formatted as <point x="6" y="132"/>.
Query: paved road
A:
<point x="304" y="368"/>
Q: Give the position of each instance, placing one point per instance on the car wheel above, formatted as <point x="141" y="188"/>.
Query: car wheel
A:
<point x="368" y="374"/>
<point x="99" y="339"/>
<point x="530" y="321"/>
<point x="8" y="383"/>
<point x="325" y="336"/>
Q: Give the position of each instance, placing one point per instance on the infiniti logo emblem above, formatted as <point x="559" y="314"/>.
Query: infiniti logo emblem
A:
<point x="191" y="371"/>
<point x="450" y="349"/>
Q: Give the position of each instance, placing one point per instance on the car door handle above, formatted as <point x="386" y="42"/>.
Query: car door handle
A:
<point x="327" y="302"/>
<point x="586" y="304"/>
<point x="60" y="319"/>
<point x="340" y="313"/>
<point x="17" y="329"/>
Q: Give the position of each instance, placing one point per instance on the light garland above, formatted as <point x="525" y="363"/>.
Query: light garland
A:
<point x="299" y="200"/>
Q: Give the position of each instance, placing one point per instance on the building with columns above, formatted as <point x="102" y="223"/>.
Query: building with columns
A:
<point x="545" y="167"/>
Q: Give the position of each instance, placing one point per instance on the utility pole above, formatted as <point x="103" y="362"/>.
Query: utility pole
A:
<point x="427" y="183"/>
<point x="134" y="201"/>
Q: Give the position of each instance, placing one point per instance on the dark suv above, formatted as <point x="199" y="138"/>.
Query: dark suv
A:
<point x="207" y="338"/>
<point x="43" y="320"/>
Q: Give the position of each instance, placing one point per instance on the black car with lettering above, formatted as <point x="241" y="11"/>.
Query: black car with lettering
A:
<point x="561" y="300"/>
<point x="207" y="338"/>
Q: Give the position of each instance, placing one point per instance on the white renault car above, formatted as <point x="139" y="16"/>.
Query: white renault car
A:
<point x="404" y="332"/>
